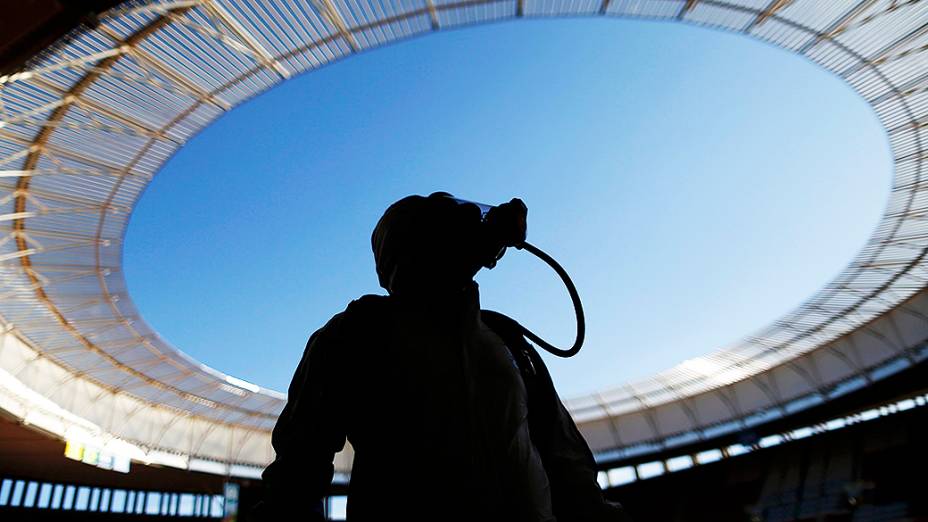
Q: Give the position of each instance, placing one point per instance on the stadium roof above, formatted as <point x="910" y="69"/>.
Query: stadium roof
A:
<point x="85" y="127"/>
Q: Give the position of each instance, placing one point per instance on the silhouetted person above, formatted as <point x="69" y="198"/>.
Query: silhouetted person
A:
<point x="451" y="413"/>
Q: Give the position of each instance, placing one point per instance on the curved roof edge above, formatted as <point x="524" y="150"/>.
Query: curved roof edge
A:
<point x="46" y="396"/>
<point x="877" y="350"/>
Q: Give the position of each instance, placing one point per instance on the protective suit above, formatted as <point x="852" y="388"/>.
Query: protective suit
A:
<point x="451" y="413"/>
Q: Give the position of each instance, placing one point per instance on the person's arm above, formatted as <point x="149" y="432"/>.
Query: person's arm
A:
<point x="568" y="461"/>
<point x="308" y="434"/>
<point x="573" y="476"/>
<point x="575" y="492"/>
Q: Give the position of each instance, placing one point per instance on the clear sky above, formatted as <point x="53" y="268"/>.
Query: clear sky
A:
<point x="696" y="185"/>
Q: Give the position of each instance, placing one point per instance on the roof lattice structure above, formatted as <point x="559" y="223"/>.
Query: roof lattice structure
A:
<point x="88" y="124"/>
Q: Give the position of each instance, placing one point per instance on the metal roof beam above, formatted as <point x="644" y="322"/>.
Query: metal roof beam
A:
<point x="687" y="7"/>
<point x="265" y="57"/>
<point x="82" y="126"/>
<point x="772" y="8"/>
<point x="39" y="232"/>
<point x="330" y="13"/>
<point x="49" y="195"/>
<point x="14" y="216"/>
<point x="63" y="171"/>
<point x="35" y="111"/>
<point x="44" y="282"/>
<point x="82" y="305"/>
<point x="838" y="26"/>
<point x="18" y="155"/>
<point x="192" y="88"/>
<point x="60" y="268"/>
<point x="69" y="64"/>
<point x="433" y="15"/>
<point x="32" y="148"/>
<point x="913" y="86"/>
<point x="884" y="52"/>
<point x="89" y="105"/>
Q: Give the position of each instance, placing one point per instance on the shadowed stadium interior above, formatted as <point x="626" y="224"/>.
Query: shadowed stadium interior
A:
<point x="814" y="417"/>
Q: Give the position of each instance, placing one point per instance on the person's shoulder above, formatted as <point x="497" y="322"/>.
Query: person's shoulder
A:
<point x="360" y="314"/>
<point x="505" y="327"/>
<point x="368" y="303"/>
<point x="366" y="309"/>
<point x="347" y="328"/>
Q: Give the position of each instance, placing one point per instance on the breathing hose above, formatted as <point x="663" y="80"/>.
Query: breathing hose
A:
<point x="574" y="296"/>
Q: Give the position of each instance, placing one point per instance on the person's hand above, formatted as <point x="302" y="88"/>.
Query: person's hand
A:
<point x="508" y="223"/>
<point x="504" y="226"/>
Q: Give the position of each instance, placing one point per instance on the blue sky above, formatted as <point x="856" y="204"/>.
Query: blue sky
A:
<point x="696" y="185"/>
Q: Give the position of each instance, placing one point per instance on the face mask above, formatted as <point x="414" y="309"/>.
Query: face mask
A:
<point x="505" y="226"/>
<point x="502" y="226"/>
<point x="484" y="208"/>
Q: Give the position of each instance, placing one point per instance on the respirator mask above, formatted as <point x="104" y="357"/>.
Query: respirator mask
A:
<point x="504" y="226"/>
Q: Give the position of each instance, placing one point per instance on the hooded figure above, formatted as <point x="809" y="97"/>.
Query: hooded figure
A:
<point x="427" y="245"/>
<point x="433" y="400"/>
